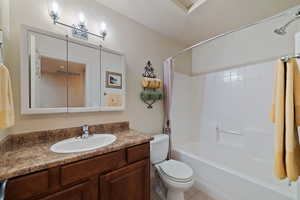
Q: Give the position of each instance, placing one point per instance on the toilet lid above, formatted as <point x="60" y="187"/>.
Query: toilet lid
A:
<point x="176" y="170"/>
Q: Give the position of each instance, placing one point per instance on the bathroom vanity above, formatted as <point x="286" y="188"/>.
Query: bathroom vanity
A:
<point x="120" y="171"/>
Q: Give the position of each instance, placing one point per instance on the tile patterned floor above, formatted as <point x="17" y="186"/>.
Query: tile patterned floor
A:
<point x="192" y="194"/>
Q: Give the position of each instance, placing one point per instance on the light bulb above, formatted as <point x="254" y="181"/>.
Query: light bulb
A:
<point x="103" y="30"/>
<point x="82" y="20"/>
<point x="54" y="9"/>
<point x="103" y="27"/>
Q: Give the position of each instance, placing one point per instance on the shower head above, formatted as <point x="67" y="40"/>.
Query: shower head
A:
<point x="282" y="30"/>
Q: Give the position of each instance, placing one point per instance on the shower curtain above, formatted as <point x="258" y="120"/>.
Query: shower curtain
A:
<point x="168" y="87"/>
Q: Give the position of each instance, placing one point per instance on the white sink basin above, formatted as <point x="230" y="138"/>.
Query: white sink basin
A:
<point x="74" y="145"/>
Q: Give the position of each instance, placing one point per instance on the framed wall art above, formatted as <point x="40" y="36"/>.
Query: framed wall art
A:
<point x="113" y="80"/>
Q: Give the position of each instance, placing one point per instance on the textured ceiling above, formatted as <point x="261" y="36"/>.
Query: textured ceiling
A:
<point x="211" y="18"/>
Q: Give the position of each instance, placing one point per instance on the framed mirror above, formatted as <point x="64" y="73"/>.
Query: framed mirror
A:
<point x="60" y="74"/>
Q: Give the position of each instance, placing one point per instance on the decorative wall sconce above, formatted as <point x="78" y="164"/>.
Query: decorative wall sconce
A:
<point x="79" y="30"/>
<point x="151" y="85"/>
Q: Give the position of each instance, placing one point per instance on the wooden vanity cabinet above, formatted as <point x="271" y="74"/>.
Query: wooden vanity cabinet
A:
<point x="119" y="175"/>
<point x="128" y="183"/>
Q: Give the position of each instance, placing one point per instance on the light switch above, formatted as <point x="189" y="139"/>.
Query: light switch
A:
<point x="113" y="100"/>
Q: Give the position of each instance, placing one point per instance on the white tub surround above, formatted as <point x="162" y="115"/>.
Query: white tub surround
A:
<point x="222" y="182"/>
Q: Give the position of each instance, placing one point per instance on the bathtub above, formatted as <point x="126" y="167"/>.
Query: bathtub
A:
<point x="223" y="183"/>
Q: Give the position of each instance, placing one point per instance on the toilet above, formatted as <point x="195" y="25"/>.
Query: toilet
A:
<point x="176" y="175"/>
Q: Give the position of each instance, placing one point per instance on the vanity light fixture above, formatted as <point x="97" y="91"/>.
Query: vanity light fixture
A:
<point x="79" y="30"/>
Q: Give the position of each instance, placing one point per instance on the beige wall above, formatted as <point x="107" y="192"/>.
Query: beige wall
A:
<point x="137" y="42"/>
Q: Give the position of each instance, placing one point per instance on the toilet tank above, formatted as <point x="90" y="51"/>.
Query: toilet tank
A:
<point x="159" y="148"/>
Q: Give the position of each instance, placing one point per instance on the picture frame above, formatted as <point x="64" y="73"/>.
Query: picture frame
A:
<point x="114" y="80"/>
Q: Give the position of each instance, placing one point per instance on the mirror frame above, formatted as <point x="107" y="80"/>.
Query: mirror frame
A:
<point x="24" y="73"/>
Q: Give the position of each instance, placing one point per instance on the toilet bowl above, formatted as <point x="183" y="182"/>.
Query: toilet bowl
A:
<point x="176" y="175"/>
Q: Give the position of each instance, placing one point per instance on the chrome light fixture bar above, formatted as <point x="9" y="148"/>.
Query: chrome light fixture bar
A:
<point x="79" y="30"/>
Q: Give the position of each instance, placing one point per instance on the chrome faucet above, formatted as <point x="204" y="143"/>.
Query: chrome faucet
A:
<point x="86" y="133"/>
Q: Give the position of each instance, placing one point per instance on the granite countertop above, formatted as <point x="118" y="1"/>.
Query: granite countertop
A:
<point x="30" y="158"/>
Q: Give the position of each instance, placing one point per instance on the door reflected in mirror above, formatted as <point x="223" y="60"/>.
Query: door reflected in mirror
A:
<point x="84" y="76"/>
<point x="55" y="73"/>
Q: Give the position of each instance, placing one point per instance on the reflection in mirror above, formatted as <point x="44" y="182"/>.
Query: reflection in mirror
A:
<point x="112" y="66"/>
<point x="60" y="74"/>
<point x="48" y="83"/>
<point x="83" y="76"/>
<point x="76" y="84"/>
<point x="62" y="71"/>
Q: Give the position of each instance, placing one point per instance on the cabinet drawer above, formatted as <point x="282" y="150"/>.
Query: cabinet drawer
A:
<point x="78" y="192"/>
<point x="137" y="153"/>
<point x="32" y="185"/>
<point x="83" y="169"/>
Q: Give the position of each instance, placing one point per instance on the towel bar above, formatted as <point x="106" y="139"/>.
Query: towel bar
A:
<point x="227" y="131"/>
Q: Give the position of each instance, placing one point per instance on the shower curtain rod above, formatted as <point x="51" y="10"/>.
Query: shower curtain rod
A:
<point x="287" y="58"/>
<point x="233" y="31"/>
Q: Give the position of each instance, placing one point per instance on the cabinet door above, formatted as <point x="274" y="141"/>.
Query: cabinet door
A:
<point x="46" y="79"/>
<point x="79" y="192"/>
<point x="33" y="185"/>
<point x="83" y="77"/>
<point x="113" y="81"/>
<point x="128" y="183"/>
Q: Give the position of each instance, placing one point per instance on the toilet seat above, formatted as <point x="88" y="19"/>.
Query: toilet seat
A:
<point x="176" y="171"/>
